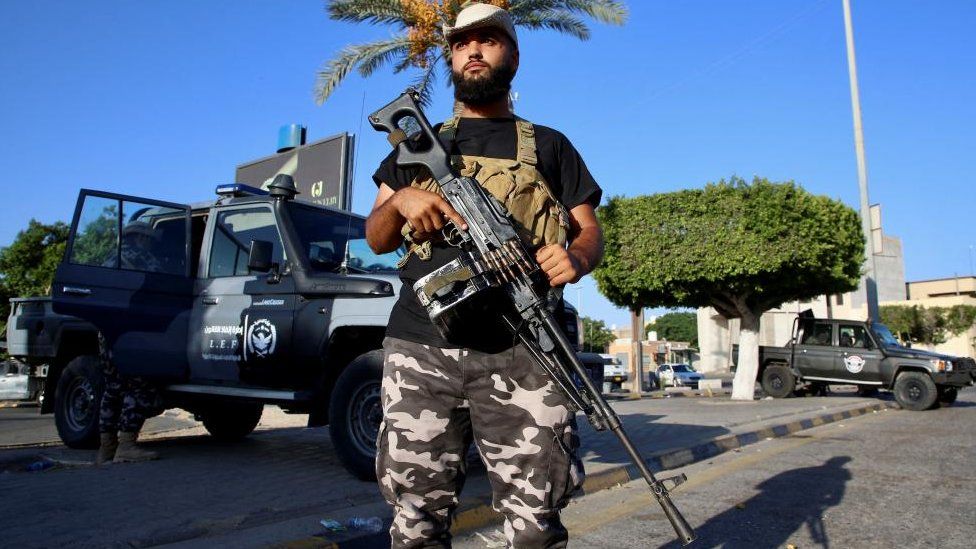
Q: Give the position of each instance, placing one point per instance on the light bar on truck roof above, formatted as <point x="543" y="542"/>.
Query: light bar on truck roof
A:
<point x="239" y="189"/>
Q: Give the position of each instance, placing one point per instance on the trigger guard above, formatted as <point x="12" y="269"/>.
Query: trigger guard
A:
<point x="452" y="235"/>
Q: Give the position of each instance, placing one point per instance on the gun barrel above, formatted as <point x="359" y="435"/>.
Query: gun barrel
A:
<point x="602" y="408"/>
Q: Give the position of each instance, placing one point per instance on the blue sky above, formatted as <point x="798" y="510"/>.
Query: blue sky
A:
<point x="165" y="99"/>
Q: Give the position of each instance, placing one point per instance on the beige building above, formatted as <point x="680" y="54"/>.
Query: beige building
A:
<point x="654" y="351"/>
<point x="942" y="287"/>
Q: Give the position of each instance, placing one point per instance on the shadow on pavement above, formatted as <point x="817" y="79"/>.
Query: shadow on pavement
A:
<point x="650" y="435"/>
<point x="787" y="502"/>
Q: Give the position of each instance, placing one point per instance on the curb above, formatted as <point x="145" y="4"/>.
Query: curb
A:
<point x="18" y="404"/>
<point x="480" y="514"/>
<point x="673" y="459"/>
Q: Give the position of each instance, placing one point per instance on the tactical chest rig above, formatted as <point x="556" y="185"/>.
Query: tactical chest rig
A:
<point x="517" y="184"/>
<point x="449" y="293"/>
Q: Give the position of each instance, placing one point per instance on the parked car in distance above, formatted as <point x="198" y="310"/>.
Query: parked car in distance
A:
<point x="678" y="375"/>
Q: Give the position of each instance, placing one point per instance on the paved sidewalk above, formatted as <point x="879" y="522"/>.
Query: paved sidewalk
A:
<point x="279" y="483"/>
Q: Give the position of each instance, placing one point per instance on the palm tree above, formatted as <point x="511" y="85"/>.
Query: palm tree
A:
<point x="420" y="44"/>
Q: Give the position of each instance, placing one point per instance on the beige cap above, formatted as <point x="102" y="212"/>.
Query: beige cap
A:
<point x="479" y="16"/>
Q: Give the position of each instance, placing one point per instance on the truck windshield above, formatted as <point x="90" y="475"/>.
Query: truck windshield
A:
<point x="327" y="237"/>
<point x="885" y="336"/>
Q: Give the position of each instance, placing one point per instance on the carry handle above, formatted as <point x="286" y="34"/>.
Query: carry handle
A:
<point x="388" y="119"/>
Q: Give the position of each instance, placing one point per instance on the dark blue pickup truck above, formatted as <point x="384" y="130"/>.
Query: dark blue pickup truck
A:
<point x="252" y="299"/>
<point x="850" y="352"/>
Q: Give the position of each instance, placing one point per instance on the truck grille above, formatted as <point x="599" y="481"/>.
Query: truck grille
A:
<point x="962" y="364"/>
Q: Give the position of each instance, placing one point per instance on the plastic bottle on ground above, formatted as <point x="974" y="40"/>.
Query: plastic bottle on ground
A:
<point x="371" y="524"/>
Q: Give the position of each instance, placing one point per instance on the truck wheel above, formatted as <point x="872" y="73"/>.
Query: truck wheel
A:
<point x="947" y="395"/>
<point x="231" y="421"/>
<point x="356" y="412"/>
<point x="915" y="391"/>
<point x="778" y="381"/>
<point x="77" y="401"/>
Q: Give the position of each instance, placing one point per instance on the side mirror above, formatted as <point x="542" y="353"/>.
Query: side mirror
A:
<point x="259" y="256"/>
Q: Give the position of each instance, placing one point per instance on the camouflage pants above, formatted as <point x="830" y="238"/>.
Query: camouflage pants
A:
<point x="126" y="401"/>
<point x="435" y="402"/>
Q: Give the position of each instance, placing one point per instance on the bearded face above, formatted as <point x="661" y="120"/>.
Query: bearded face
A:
<point x="483" y="64"/>
<point x="485" y="87"/>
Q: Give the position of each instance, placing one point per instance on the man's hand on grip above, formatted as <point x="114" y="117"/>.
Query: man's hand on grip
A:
<point x="559" y="264"/>
<point x="425" y="211"/>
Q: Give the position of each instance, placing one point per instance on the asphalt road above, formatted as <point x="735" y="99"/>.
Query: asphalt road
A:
<point x="25" y="426"/>
<point x="891" y="479"/>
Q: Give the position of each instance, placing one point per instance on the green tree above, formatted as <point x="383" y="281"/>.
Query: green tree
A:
<point x="742" y="248"/>
<point x="419" y="43"/>
<point x="677" y="326"/>
<point x="596" y="336"/>
<point x="27" y="265"/>
<point x="927" y="325"/>
<point x="97" y="238"/>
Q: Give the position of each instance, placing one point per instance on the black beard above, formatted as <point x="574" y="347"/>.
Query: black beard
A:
<point x="483" y="90"/>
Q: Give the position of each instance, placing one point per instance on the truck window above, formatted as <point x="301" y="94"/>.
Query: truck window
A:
<point x="97" y="235"/>
<point x="152" y="238"/>
<point x="233" y="233"/>
<point x="816" y="334"/>
<point x="853" y="335"/>
<point x="326" y="236"/>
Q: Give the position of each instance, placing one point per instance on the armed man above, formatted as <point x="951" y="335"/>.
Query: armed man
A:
<point x="482" y="385"/>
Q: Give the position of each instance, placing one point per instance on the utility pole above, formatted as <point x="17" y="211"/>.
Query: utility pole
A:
<point x="869" y="280"/>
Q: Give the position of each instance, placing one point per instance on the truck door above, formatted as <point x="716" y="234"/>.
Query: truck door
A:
<point x="859" y="358"/>
<point x="126" y="270"/>
<point x="814" y="352"/>
<point x="242" y="321"/>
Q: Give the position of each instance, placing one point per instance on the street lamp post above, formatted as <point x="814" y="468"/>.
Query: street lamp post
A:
<point x="869" y="280"/>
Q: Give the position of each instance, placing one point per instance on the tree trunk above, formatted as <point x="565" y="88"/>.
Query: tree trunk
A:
<point x="744" y="384"/>
<point x="637" y="352"/>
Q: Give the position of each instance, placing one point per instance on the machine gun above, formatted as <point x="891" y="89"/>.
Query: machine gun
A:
<point x="493" y="256"/>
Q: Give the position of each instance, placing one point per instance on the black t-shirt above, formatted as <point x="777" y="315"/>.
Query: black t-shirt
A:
<point x="565" y="173"/>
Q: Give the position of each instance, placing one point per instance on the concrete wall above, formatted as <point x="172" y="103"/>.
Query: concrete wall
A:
<point x="889" y="272"/>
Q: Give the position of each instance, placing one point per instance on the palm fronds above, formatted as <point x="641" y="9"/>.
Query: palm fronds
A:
<point x="374" y="12"/>
<point x="557" y="21"/>
<point x="604" y="11"/>
<point x="422" y="83"/>
<point x="367" y="56"/>
<point x="421" y="45"/>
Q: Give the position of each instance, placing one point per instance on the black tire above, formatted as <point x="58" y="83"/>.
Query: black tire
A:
<point x="356" y="413"/>
<point x="231" y="421"/>
<point x="778" y="381"/>
<point x="867" y="391"/>
<point x="915" y="391"/>
<point x="947" y="395"/>
<point x="77" y="402"/>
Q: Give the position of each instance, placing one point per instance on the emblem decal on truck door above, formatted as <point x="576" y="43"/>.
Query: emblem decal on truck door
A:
<point x="261" y="338"/>
<point x="854" y="363"/>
